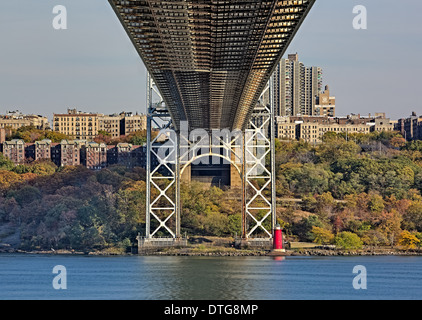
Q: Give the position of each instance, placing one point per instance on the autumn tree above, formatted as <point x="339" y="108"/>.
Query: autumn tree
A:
<point x="31" y="134"/>
<point x="408" y="240"/>
<point x="413" y="216"/>
<point x="321" y="235"/>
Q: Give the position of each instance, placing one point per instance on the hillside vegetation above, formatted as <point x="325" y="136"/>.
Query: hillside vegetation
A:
<point x="365" y="190"/>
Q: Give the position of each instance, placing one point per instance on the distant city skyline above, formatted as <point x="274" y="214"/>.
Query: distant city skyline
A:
<point x="92" y="66"/>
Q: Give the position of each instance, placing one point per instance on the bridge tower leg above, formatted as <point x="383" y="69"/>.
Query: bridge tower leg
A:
<point x="162" y="175"/>
<point x="258" y="181"/>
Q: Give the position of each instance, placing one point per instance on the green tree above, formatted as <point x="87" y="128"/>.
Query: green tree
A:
<point x="309" y="178"/>
<point x="54" y="136"/>
<point x="337" y="149"/>
<point x="414" y="145"/>
<point x="413" y="216"/>
<point x="304" y="227"/>
<point x="138" y="138"/>
<point x="309" y="203"/>
<point x="5" y="163"/>
<point x="25" y="195"/>
<point x="376" y="203"/>
<point x="325" y="204"/>
<point x="45" y="168"/>
<point x="348" y="240"/>
<point x="235" y="224"/>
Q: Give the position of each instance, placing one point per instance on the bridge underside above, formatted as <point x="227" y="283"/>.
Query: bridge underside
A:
<point x="211" y="59"/>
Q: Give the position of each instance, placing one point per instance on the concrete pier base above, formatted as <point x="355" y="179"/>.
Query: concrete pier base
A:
<point x="256" y="243"/>
<point x="157" y="243"/>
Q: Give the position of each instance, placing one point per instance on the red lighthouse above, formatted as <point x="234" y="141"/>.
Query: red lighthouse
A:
<point x="278" y="239"/>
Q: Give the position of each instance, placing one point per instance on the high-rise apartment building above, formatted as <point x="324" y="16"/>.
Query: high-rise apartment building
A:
<point x="295" y="87"/>
<point x="313" y="87"/>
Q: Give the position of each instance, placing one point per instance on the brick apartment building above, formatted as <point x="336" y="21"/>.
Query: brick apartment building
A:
<point x="411" y="127"/>
<point x="15" y="151"/>
<point x="92" y="155"/>
<point x="2" y="135"/>
<point x="40" y="150"/>
<point x="70" y="153"/>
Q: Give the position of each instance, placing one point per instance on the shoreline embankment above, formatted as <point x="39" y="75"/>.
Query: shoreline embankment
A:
<point x="226" y="252"/>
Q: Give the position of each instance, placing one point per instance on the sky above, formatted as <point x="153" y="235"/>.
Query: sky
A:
<point x="92" y="66"/>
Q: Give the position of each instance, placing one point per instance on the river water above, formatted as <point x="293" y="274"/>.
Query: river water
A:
<point x="26" y="276"/>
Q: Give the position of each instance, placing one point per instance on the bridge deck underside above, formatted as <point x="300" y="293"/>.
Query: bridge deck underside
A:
<point x="211" y="59"/>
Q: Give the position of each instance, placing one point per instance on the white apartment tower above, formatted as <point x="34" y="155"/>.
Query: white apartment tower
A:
<point x="295" y="87"/>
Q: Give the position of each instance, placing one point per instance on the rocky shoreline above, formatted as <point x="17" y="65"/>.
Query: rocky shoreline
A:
<point x="320" y="253"/>
<point x="382" y="252"/>
<point x="229" y="253"/>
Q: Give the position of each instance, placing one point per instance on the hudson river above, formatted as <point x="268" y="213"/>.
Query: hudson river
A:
<point x="24" y="276"/>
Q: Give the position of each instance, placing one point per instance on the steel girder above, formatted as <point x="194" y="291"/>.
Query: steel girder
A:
<point x="211" y="59"/>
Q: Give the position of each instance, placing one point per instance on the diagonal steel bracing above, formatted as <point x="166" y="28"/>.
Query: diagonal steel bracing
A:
<point x="250" y="151"/>
<point x="259" y="205"/>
